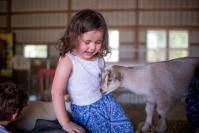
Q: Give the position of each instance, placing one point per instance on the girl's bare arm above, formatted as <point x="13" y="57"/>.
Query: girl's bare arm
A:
<point x="61" y="77"/>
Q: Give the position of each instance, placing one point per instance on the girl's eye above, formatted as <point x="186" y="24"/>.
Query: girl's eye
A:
<point x="87" y="42"/>
<point x="99" y="42"/>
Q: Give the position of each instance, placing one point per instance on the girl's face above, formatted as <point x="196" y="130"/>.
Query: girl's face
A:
<point x="89" y="44"/>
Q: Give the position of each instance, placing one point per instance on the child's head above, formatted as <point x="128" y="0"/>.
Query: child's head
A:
<point x="82" y="22"/>
<point x="12" y="101"/>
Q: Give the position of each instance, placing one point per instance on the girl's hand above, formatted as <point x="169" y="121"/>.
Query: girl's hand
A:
<point x="73" y="128"/>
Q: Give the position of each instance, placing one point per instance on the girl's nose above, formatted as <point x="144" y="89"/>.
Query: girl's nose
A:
<point x="92" y="47"/>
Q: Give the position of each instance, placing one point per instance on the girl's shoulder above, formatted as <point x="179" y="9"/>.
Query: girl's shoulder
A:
<point x="70" y="55"/>
<point x="66" y="59"/>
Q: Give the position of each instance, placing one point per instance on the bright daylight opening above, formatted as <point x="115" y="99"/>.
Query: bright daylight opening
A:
<point x="114" y="45"/>
<point x="158" y="49"/>
<point x="35" y="51"/>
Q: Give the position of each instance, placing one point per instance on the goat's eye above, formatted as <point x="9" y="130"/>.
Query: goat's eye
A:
<point x="109" y="80"/>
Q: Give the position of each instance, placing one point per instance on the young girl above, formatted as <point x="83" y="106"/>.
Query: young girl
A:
<point x="81" y="62"/>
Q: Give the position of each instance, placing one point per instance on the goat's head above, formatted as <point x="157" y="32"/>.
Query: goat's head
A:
<point x="111" y="80"/>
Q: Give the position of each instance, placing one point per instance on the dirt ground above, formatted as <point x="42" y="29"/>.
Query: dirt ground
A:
<point x="176" y="118"/>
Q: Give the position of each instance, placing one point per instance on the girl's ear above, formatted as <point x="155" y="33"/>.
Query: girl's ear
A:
<point x="14" y="116"/>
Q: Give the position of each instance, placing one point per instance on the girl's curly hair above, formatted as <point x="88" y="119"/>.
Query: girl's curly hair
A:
<point x="84" y="21"/>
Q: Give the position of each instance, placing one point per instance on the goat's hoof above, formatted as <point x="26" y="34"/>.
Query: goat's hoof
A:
<point x="144" y="128"/>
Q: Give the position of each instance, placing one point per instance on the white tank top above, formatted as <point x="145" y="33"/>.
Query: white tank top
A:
<point x="84" y="82"/>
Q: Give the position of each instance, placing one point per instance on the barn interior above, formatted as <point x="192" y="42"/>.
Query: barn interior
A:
<point x="140" y="32"/>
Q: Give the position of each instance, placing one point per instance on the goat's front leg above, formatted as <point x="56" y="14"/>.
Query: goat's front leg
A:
<point x="162" y="108"/>
<point x="149" y="108"/>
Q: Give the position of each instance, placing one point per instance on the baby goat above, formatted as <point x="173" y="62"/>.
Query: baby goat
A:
<point x="159" y="83"/>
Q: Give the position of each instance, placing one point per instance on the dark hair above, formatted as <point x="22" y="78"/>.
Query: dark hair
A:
<point x="12" y="100"/>
<point x="84" y="21"/>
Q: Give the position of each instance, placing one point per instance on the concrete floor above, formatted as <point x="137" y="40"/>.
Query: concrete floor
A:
<point x="176" y="118"/>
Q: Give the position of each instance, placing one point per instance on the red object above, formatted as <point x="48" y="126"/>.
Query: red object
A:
<point x="43" y="73"/>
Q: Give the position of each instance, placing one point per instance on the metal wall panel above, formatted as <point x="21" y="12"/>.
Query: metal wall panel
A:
<point x="2" y="31"/>
<point x="103" y="4"/>
<point x="142" y="36"/>
<point x="124" y="18"/>
<point x="126" y="51"/>
<point x="38" y="35"/>
<point x="3" y="6"/>
<point x="3" y="21"/>
<point x="126" y="36"/>
<point x="175" y="18"/>
<point x="41" y="5"/>
<point x="119" y="18"/>
<point x="168" y="3"/>
<point x="130" y="98"/>
<point x="28" y="20"/>
<point x="193" y="37"/>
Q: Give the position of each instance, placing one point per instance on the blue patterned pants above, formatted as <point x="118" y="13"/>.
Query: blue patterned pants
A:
<point x="104" y="116"/>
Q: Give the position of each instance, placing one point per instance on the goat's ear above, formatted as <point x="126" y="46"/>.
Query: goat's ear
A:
<point x="105" y="75"/>
<point x="118" y="76"/>
<point x="109" y="73"/>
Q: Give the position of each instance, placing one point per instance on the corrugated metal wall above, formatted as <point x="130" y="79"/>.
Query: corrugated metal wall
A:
<point x="44" y="21"/>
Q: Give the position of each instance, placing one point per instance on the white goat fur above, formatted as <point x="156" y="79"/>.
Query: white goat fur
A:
<point x="159" y="83"/>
